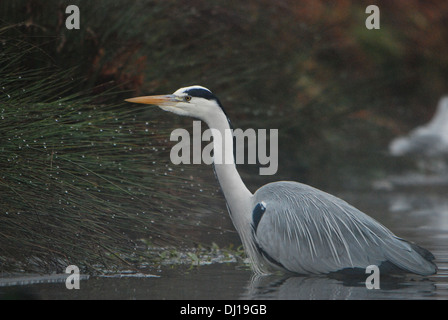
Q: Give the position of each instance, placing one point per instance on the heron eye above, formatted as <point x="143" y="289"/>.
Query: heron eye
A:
<point x="187" y="98"/>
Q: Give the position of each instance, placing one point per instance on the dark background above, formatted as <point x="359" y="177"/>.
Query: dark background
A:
<point x="337" y="92"/>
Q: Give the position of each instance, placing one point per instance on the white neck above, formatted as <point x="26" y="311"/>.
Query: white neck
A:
<point x="238" y="197"/>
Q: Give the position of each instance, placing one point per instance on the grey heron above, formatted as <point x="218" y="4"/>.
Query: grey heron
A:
<point x="291" y="226"/>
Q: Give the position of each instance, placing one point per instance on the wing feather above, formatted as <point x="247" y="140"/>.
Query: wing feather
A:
<point x="309" y="231"/>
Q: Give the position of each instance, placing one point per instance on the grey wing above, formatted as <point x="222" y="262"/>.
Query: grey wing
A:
<point x="306" y="230"/>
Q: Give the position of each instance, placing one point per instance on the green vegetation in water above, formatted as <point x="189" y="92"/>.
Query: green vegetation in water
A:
<point x="199" y="255"/>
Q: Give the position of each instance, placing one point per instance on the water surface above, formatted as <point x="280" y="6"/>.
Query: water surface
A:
<point x="419" y="215"/>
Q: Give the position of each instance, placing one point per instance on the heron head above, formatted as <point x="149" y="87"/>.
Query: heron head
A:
<point x="194" y="101"/>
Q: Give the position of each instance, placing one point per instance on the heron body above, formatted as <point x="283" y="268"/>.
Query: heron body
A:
<point x="320" y="233"/>
<point x="291" y="226"/>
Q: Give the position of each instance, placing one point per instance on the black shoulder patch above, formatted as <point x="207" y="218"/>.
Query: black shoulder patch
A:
<point x="257" y="213"/>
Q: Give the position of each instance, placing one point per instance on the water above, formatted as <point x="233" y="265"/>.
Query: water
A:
<point x="417" y="214"/>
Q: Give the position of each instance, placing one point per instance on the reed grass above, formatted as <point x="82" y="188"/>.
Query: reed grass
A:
<point x="81" y="183"/>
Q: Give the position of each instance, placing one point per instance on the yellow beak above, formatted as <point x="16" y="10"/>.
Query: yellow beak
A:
<point x="156" y="100"/>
